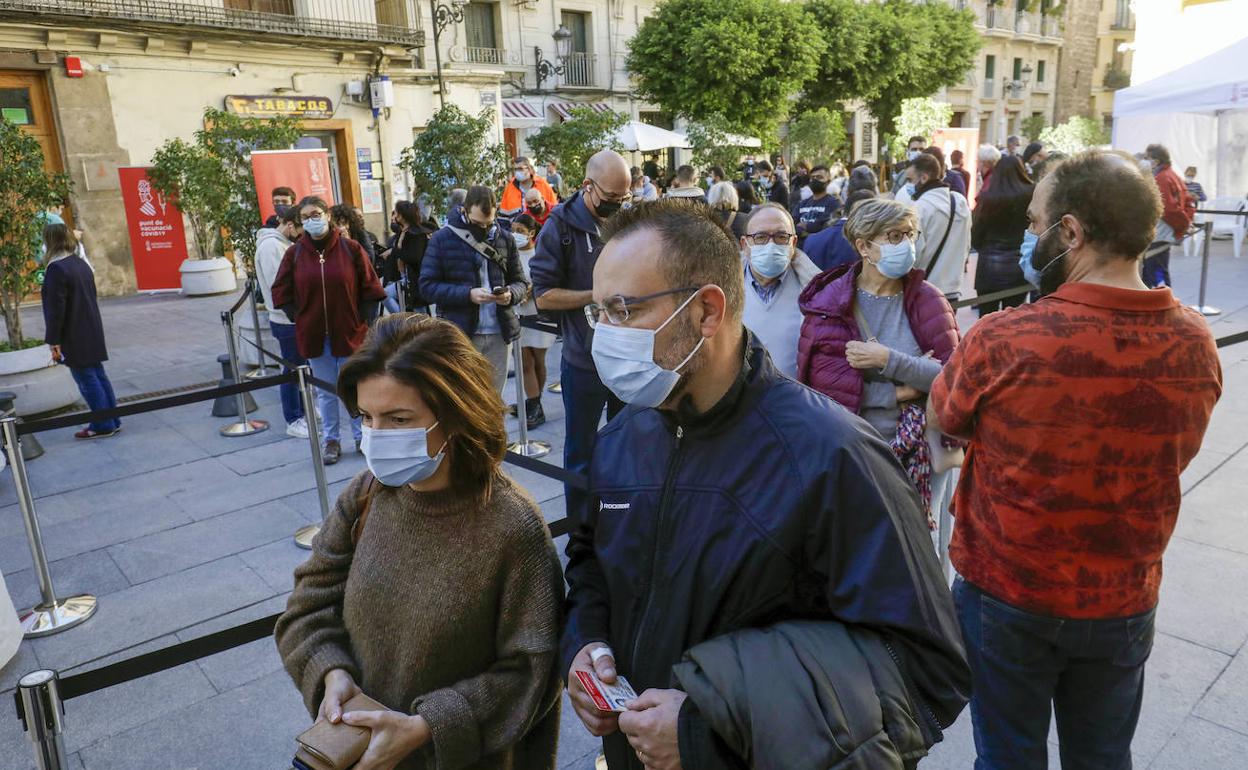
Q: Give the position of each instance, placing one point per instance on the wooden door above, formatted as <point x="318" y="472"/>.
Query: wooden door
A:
<point x="24" y="100"/>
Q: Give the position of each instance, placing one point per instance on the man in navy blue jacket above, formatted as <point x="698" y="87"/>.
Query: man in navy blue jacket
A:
<point x="726" y="496"/>
<point x="465" y="263"/>
<point x="562" y="270"/>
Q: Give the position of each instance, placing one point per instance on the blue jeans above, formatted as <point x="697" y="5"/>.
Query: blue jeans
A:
<point x="97" y="391"/>
<point x="292" y="404"/>
<point x="1089" y="672"/>
<point x="584" y="397"/>
<point x="325" y="367"/>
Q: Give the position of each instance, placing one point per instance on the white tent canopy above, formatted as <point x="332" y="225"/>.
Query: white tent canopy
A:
<point x="643" y="137"/>
<point x="1199" y="112"/>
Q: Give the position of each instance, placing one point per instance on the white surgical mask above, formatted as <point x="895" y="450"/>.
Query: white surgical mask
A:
<point x="912" y="154"/>
<point x="400" y="456"/>
<point x="624" y="358"/>
<point x="710" y="180"/>
<point x="522" y="241"/>
<point x="522" y="176"/>
<point x="769" y="260"/>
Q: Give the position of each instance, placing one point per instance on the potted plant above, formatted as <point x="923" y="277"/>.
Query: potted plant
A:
<point x="27" y="190"/>
<point x="210" y="181"/>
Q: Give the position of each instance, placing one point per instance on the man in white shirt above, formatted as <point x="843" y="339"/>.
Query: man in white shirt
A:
<point x="775" y="274"/>
<point x="271" y="246"/>
<point x="945" y="225"/>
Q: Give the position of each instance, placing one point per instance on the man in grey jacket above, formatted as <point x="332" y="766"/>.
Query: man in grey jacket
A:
<point x="271" y="246"/>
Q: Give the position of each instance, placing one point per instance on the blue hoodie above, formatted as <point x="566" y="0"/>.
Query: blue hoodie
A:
<point x="567" y="250"/>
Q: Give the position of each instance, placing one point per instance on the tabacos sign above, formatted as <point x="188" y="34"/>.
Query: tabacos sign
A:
<point x="309" y="107"/>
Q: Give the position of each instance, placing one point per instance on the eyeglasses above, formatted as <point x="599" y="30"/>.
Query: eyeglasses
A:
<point x="780" y="238"/>
<point x="618" y="308"/>
<point x="897" y="236"/>
<point x="627" y="197"/>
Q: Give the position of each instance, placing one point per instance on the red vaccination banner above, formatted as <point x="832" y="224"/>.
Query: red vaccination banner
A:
<point x="966" y="140"/>
<point x="304" y="171"/>
<point x="157" y="237"/>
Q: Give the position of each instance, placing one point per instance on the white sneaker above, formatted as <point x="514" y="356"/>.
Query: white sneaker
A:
<point x="298" y="428"/>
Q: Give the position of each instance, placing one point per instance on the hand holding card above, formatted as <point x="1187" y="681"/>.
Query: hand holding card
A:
<point x="607" y="697"/>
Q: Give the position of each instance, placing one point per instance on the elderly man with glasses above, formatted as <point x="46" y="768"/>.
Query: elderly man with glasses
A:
<point x="562" y="270"/>
<point x="775" y="272"/>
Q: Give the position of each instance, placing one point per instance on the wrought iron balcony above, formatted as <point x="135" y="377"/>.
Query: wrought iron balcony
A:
<point x="578" y="69"/>
<point x="372" y="21"/>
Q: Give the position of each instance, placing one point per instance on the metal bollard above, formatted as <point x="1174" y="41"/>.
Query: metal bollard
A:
<point x="305" y="534"/>
<point x="244" y="427"/>
<point x="51" y="615"/>
<point x="1201" y="307"/>
<point x="41" y="710"/>
<point x="262" y="369"/>
<point x="524" y="447"/>
<point x="31" y="448"/>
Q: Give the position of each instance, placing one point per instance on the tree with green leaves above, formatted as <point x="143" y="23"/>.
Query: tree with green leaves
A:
<point x="740" y="60"/>
<point x="1075" y="135"/>
<point x="885" y="52"/>
<point x="919" y="117"/>
<point x="1033" y="126"/>
<point x="819" y="135"/>
<point x="27" y="190"/>
<point x="712" y="144"/>
<point x="211" y="180"/>
<point x="455" y="150"/>
<point x="572" y="142"/>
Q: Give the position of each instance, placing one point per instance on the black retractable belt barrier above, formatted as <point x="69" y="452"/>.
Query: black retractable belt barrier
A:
<point x="1231" y="339"/>
<point x="152" y="405"/>
<point x="533" y="322"/>
<point x="984" y="299"/>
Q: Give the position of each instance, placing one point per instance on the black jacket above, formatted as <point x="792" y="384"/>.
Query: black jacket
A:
<point x="406" y="255"/>
<point x="776" y="504"/>
<point x="449" y="272"/>
<point x="795" y="695"/>
<point x="71" y="314"/>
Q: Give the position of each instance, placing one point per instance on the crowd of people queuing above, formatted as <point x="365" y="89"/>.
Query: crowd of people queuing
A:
<point x="769" y="393"/>
<point x="765" y="383"/>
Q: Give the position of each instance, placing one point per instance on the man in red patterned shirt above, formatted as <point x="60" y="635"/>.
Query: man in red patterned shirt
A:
<point x="1081" y="409"/>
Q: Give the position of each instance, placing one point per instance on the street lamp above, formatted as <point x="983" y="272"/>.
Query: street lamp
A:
<point x="1015" y="88"/>
<point x="563" y="48"/>
<point x="443" y="15"/>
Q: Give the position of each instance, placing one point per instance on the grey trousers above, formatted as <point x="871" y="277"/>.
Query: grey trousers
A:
<point x="496" y="352"/>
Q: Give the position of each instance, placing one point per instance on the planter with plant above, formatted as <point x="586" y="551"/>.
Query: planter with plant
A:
<point x="27" y="190"/>
<point x="210" y="181"/>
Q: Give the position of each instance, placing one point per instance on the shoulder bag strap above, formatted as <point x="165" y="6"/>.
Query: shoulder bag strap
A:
<point x="484" y="249"/>
<point x="864" y="328"/>
<point x="953" y="207"/>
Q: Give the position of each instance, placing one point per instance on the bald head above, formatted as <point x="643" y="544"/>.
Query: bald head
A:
<point x="610" y="171"/>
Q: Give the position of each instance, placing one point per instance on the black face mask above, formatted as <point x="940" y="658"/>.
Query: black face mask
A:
<point x="818" y="186"/>
<point x="605" y="209"/>
<point x="478" y="231"/>
<point x="1049" y="248"/>
<point x="395" y="227"/>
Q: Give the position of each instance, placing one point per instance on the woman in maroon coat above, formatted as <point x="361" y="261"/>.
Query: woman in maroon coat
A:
<point x="328" y="286"/>
<point x="875" y="334"/>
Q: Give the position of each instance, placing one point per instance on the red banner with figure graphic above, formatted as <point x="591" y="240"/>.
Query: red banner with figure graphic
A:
<point x="966" y="140"/>
<point x="157" y="237"/>
<point x="304" y="171"/>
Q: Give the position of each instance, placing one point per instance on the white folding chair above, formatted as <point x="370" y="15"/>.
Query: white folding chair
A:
<point x="1230" y="224"/>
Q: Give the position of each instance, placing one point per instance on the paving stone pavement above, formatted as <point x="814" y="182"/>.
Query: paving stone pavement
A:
<point x="181" y="532"/>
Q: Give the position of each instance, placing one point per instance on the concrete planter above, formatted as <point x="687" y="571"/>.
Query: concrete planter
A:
<point x="41" y="386"/>
<point x="248" y="355"/>
<point x="207" y="276"/>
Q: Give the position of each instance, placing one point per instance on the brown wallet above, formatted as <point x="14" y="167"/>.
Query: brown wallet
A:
<point x="329" y="746"/>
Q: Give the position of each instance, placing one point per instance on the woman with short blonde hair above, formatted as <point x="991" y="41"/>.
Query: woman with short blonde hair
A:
<point x="433" y="587"/>
<point x="722" y="197"/>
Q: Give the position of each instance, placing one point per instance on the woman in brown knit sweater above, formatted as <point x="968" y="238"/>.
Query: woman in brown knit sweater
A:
<point x="442" y="600"/>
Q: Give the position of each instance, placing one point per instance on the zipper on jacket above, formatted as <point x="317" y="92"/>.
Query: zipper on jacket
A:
<point x="911" y="689"/>
<point x="324" y="300"/>
<point x="665" y="498"/>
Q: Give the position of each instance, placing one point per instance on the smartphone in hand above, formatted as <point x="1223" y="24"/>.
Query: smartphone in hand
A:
<point x="498" y="290"/>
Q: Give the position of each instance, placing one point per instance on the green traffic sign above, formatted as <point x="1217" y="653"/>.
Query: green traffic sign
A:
<point x="39" y="275"/>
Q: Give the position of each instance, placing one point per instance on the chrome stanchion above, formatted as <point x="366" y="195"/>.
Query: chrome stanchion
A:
<point x="1201" y="307"/>
<point x="41" y="711"/>
<point x="51" y="615"/>
<point x="555" y="387"/>
<point x="262" y="368"/>
<point x="245" y="426"/>
<point x="524" y="446"/>
<point x="304" y="535"/>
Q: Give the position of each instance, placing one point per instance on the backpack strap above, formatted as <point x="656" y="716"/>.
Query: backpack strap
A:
<point x="362" y="505"/>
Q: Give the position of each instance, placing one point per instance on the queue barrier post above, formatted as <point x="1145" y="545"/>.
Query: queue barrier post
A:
<point x="245" y="426"/>
<point x="51" y="615"/>
<point x="305" y="534"/>
<point x="1201" y="307"/>
<point x="31" y="448"/>
<point x="524" y="446"/>
<point x="42" y="713"/>
<point x="262" y="368"/>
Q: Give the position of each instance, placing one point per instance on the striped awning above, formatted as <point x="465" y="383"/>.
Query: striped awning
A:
<point x="515" y="111"/>
<point x="564" y="109"/>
